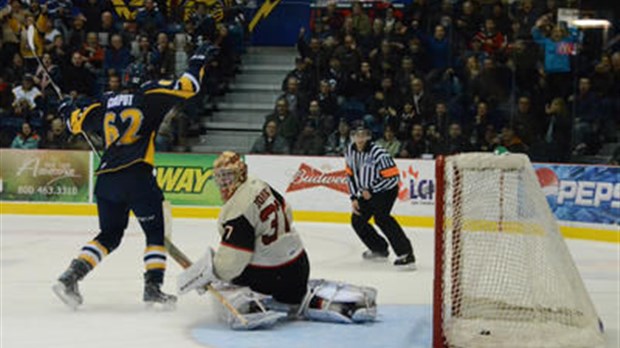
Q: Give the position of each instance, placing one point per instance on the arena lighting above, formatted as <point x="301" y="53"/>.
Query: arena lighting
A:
<point x="592" y="23"/>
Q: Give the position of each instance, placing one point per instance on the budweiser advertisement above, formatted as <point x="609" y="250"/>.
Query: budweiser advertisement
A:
<point x="320" y="183"/>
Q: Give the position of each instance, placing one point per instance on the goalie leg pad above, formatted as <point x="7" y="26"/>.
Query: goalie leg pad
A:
<point x="249" y="304"/>
<point x="338" y="302"/>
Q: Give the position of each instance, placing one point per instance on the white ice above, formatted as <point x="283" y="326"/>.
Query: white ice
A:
<point x="36" y="249"/>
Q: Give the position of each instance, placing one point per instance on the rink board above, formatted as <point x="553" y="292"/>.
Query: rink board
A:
<point x="610" y="234"/>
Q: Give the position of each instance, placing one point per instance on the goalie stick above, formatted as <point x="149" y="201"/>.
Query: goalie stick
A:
<point x="30" y="38"/>
<point x="185" y="262"/>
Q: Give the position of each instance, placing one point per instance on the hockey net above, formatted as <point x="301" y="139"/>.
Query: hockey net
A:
<point x="503" y="274"/>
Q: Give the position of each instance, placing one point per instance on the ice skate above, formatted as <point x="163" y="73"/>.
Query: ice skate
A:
<point x="406" y="262"/>
<point x="67" y="287"/>
<point x="375" y="255"/>
<point x="153" y="295"/>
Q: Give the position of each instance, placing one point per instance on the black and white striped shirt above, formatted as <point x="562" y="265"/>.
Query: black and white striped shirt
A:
<point x="372" y="169"/>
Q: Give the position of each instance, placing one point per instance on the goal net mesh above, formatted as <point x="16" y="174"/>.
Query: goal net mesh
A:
<point x="507" y="277"/>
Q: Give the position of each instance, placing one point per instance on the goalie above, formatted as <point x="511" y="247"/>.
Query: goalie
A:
<point x="261" y="267"/>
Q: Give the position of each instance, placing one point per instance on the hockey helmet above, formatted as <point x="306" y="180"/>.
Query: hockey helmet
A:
<point x="229" y="172"/>
<point x="133" y="76"/>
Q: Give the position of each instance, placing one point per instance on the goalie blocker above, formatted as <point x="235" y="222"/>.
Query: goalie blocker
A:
<point x="261" y="264"/>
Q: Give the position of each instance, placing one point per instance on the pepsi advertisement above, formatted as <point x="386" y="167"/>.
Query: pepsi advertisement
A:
<point x="582" y="193"/>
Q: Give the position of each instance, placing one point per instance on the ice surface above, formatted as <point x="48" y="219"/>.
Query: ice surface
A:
<point x="35" y="250"/>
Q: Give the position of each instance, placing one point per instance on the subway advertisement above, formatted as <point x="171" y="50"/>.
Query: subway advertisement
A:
<point x="185" y="179"/>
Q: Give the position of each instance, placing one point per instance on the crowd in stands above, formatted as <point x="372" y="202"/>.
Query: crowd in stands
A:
<point x="441" y="77"/>
<point x="86" y="48"/>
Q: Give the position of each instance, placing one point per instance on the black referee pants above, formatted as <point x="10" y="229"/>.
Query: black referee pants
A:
<point x="379" y="206"/>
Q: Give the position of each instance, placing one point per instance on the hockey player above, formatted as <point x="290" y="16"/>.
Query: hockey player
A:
<point x="262" y="255"/>
<point x="129" y="121"/>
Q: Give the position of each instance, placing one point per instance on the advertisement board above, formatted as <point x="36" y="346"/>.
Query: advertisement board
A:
<point x="44" y="175"/>
<point x="320" y="183"/>
<point x="589" y="194"/>
<point x="186" y="179"/>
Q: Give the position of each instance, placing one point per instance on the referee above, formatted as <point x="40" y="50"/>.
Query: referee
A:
<point x="373" y="184"/>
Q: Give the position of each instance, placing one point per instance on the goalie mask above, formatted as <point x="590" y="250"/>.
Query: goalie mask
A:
<point x="229" y="172"/>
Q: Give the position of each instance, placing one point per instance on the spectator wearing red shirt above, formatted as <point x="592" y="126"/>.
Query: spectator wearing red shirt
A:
<point x="493" y="41"/>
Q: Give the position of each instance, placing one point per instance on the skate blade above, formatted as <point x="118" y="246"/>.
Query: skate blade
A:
<point x="159" y="306"/>
<point x="377" y="259"/>
<point x="407" y="268"/>
<point x="71" y="302"/>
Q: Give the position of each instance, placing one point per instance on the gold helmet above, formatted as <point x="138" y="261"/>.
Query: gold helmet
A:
<point x="229" y="172"/>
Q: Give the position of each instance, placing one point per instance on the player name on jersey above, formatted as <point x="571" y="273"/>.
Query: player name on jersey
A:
<point x="120" y="100"/>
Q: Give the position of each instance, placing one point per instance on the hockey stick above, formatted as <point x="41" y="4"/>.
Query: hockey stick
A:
<point x="185" y="262"/>
<point x="30" y="39"/>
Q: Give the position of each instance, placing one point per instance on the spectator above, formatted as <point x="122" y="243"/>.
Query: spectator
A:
<point x="468" y="22"/>
<point x="415" y="146"/>
<point x="336" y="77"/>
<point x="512" y="142"/>
<point x="558" y="46"/>
<point x="363" y="83"/>
<point x="389" y="142"/>
<point x="384" y="60"/>
<point x="58" y="50"/>
<point x="114" y="84"/>
<point x="77" y="34"/>
<point x="270" y="142"/>
<point x="163" y="58"/>
<point x="554" y="142"/>
<point x="297" y="101"/>
<point x="27" y="92"/>
<point x="422" y="102"/>
<point x="493" y="41"/>
<point x="92" y="10"/>
<point x="109" y="27"/>
<point x="587" y="121"/>
<point x="92" y="51"/>
<point x="82" y="86"/>
<point x="405" y="75"/>
<point x="349" y="55"/>
<point x="117" y="57"/>
<point x="149" y="19"/>
<point x="525" y="122"/>
<point x="26" y="139"/>
<point x="405" y="120"/>
<point x="477" y="130"/>
<point x="438" y="48"/>
<point x="339" y="140"/>
<point x="372" y="41"/>
<point x="327" y="100"/>
<point x="302" y="76"/>
<point x="43" y="80"/>
<point x="57" y="136"/>
<point x="440" y="120"/>
<point x="314" y="54"/>
<point x="455" y="142"/>
<point x="332" y="18"/>
<point x="310" y="141"/>
<point x="491" y="140"/>
<point x="15" y="71"/>
<point x="361" y="21"/>
<point x="288" y="125"/>
<point x="325" y="123"/>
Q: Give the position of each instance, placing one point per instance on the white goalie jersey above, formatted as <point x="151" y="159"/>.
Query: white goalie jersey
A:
<point x="256" y="230"/>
